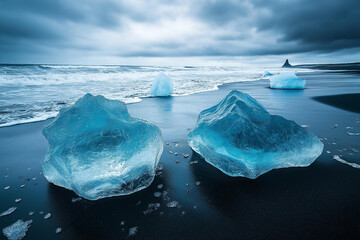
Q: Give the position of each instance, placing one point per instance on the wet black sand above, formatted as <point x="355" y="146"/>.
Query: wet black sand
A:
<point x="317" y="202"/>
<point x="350" y="102"/>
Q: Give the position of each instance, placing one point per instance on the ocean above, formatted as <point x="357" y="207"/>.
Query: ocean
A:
<point x="31" y="93"/>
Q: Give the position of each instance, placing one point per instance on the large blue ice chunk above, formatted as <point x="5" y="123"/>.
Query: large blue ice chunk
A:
<point x="162" y="86"/>
<point x="98" y="150"/>
<point x="287" y="80"/>
<point x="239" y="137"/>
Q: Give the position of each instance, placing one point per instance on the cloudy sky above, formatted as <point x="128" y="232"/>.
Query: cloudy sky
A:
<point x="116" y="31"/>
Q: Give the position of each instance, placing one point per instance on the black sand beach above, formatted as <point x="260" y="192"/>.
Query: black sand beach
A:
<point x="317" y="202"/>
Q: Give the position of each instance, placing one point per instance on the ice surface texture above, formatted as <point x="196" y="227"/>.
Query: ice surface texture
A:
<point x="98" y="150"/>
<point x="239" y="137"/>
<point x="17" y="230"/>
<point x="287" y="80"/>
<point x="162" y="86"/>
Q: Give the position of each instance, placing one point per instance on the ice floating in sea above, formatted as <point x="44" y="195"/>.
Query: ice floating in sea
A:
<point x="31" y="213"/>
<point x="7" y="187"/>
<point x="339" y="159"/>
<point x="8" y="212"/>
<point x="287" y="80"/>
<point x="162" y="86"/>
<point x="160" y="186"/>
<point x="17" y="200"/>
<point x="17" y="230"/>
<point x="239" y="137"/>
<point x="98" y="150"/>
<point x="58" y="230"/>
<point x="267" y="74"/>
<point x="47" y="216"/>
<point x="157" y="194"/>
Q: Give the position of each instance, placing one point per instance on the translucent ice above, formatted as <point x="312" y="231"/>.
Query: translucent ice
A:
<point x="17" y="230"/>
<point x="239" y="137"/>
<point x="162" y="86"/>
<point x="98" y="150"/>
<point x="8" y="212"/>
<point x="287" y="80"/>
<point x="267" y="74"/>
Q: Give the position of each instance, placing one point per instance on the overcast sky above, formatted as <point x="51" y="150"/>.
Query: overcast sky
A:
<point x="100" y="31"/>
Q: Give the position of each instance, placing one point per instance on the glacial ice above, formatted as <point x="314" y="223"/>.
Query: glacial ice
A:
<point x="17" y="230"/>
<point x="8" y="212"/>
<point x="162" y="86"/>
<point x="267" y="74"/>
<point x="287" y="80"/>
<point x="98" y="150"/>
<point x="239" y="137"/>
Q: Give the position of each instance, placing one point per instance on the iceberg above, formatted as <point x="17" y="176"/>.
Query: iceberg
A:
<point x="287" y="80"/>
<point x="239" y="137"/>
<point x="267" y="74"/>
<point x="98" y="150"/>
<point x="17" y="230"/>
<point x="162" y="86"/>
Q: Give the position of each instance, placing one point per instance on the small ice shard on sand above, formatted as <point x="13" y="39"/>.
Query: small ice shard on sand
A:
<point x="339" y="159"/>
<point x="8" y="212"/>
<point x="17" y="230"/>
<point x="267" y="74"/>
<point x="47" y="216"/>
<point x="152" y="207"/>
<point x="287" y="80"/>
<point x="162" y="86"/>
<point x="173" y="204"/>
<point x="133" y="231"/>
<point x="76" y="199"/>
<point x="98" y="150"/>
<point x="58" y="230"/>
<point x="353" y="134"/>
<point x="239" y="137"/>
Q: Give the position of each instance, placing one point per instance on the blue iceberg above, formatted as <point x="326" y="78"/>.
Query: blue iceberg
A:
<point x="162" y="86"/>
<point x="267" y="74"/>
<point x="287" y="80"/>
<point x="98" y="150"/>
<point x="239" y="137"/>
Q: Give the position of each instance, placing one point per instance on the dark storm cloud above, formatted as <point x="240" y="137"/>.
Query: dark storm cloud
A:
<point x="317" y="25"/>
<point x="176" y="28"/>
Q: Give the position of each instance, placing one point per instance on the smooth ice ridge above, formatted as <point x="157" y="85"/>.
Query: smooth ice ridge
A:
<point x="287" y="80"/>
<point x="98" y="150"/>
<point x="17" y="230"/>
<point x="239" y="137"/>
<point x="162" y="86"/>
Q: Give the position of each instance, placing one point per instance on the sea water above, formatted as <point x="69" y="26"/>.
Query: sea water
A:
<point x="36" y="92"/>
